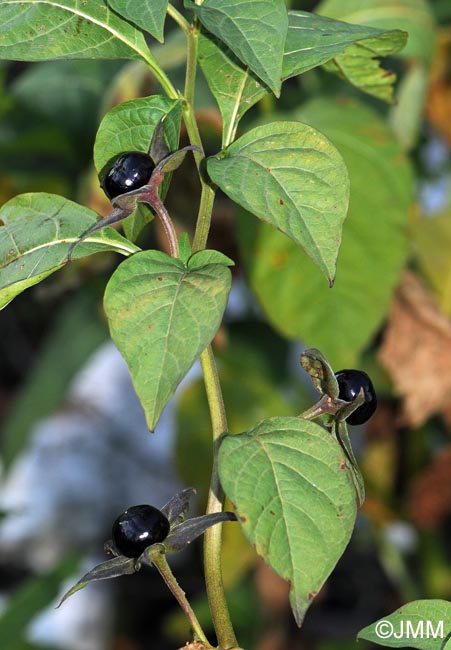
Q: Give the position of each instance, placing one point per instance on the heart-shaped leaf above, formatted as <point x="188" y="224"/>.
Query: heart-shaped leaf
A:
<point x="294" y="496"/>
<point x="36" y="232"/>
<point x="150" y="16"/>
<point x="255" y="30"/>
<point x="422" y="624"/>
<point x="162" y="315"/>
<point x="372" y="254"/>
<point x="290" y="175"/>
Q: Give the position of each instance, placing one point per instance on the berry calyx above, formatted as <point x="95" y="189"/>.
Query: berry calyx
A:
<point x="349" y="384"/>
<point x="130" y="171"/>
<point x="139" y="527"/>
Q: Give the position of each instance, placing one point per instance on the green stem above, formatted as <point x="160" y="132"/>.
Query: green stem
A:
<point x="191" y="63"/>
<point x="213" y="536"/>
<point x="204" y="217"/>
<point x="208" y="193"/>
<point x="178" y="18"/>
<point x="190" y="85"/>
<point x="158" y="559"/>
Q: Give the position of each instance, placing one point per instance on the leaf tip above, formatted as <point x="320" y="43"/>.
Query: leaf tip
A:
<point x="298" y="612"/>
<point x="152" y="420"/>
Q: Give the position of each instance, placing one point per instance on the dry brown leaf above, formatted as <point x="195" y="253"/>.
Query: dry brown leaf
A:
<point x="430" y="496"/>
<point x="438" y="102"/>
<point x="416" y="352"/>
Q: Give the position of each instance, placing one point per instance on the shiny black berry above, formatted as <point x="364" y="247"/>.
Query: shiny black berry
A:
<point x="349" y="383"/>
<point x="137" y="528"/>
<point x="129" y="172"/>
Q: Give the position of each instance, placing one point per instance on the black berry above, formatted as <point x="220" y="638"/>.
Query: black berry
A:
<point x="137" y="528"/>
<point x="129" y="172"/>
<point x="349" y="383"/>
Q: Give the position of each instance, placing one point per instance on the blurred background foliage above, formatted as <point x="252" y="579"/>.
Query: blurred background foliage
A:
<point x="388" y="313"/>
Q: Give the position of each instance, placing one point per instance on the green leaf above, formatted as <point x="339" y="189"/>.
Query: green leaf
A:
<point x="413" y="16"/>
<point x="184" y="247"/>
<point x="162" y="315"/>
<point x="208" y="256"/>
<point x="136" y="221"/>
<point x="340" y="321"/>
<point x="311" y="41"/>
<point x="36" y="231"/>
<point x="30" y="599"/>
<point x="422" y="624"/>
<point x="290" y="175"/>
<point x="295" y="499"/>
<point x="234" y="86"/>
<point x="130" y="126"/>
<point x="38" y="30"/>
<point x="255" y="30"/>
<point x="149" y="16"/>
<point x="358" y="65"/>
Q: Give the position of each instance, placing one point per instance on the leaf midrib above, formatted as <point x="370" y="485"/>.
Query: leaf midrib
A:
<point x="91" y="19"/>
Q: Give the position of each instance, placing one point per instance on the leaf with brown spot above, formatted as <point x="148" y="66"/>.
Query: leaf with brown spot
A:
<point x="416" y="351"/>
<point x="293" y="468"/>
<point x="306" y="169"/>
